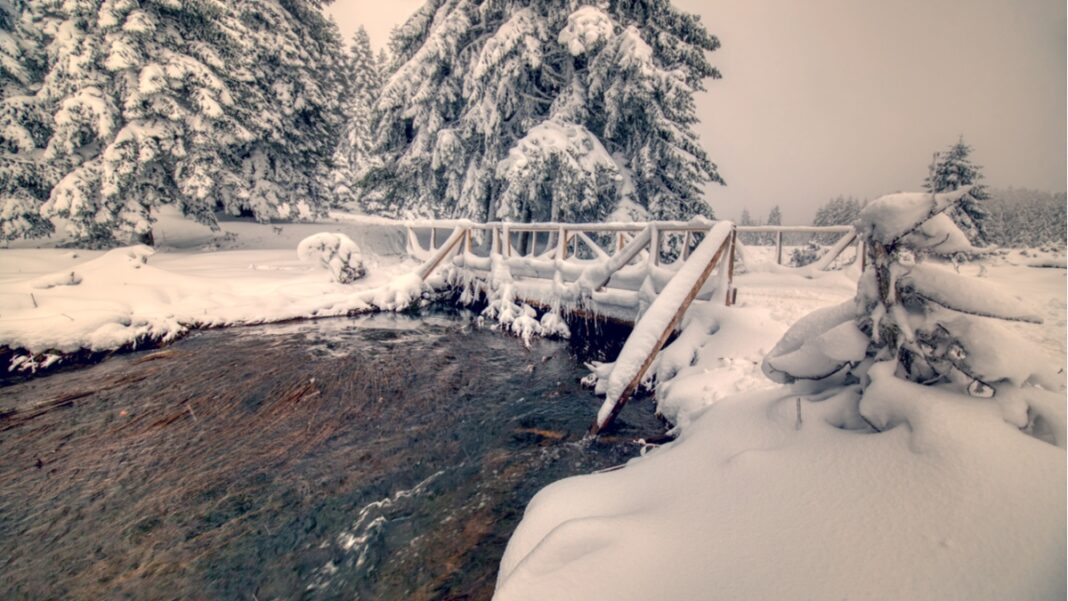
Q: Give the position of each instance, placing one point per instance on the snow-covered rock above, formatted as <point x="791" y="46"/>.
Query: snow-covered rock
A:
<point x="336" y="253"/>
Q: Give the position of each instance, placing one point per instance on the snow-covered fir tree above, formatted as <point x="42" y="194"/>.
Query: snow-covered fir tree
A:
<point x="353" y="158"/>
<point x="207" y="105"/>
<point x="774" y="218"/>
<point x="837" y="211"/>
<point x="915" y="322"/>
<point x="510" y="109"/>
<point x="24" y="180"/>
<point x="954" y="169"/>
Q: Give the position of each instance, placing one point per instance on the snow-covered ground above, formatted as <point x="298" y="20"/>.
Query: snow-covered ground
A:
<point x="759" y="498"/>
<point x="67" y="299"/>
<point x="762" y="498"/>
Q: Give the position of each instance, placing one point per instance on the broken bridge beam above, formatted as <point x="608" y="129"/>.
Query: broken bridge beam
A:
<point x="661" y="320"/>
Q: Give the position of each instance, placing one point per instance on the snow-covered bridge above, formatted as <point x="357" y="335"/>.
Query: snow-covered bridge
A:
<point x="643" y="273"/>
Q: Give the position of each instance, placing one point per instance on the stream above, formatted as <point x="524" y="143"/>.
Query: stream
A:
<point x="383" y="457"/>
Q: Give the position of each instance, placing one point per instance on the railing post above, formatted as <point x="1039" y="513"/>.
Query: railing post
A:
<point x="732" y="293"/>
<point x="778" y="248"/>
<point x="686" y="245"/>
<point x="433" y="238"/>
<point x="654" y="244"/>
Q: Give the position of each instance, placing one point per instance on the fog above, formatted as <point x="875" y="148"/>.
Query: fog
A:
<point x="838" y="97"/>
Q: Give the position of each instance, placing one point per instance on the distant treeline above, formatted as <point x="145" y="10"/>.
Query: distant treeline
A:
<point x="1022" y="218"/>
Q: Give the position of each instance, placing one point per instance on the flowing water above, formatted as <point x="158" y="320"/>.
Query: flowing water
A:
<point x="379" y="458"/>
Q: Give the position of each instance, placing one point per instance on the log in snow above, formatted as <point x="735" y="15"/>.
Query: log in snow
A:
<point x="662" y="317"/>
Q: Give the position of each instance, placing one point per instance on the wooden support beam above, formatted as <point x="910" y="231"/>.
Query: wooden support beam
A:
<point x="686" y="245"/>
<point x="596" y="248"/>
<point x="732" y="293"/>
<point x="778" y="248"/>
<point x="433" y="239"/>
<point x="450" y="245"/>
<point x="825" y="262"/>
<point x="673" y="325"/>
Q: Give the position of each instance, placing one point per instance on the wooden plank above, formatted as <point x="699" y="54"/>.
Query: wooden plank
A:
<point x="451" y="244"/>
<point x="825" y="262"/>
<point x="654" y="244"/>
<point x="731" y="295"/>
<point x="636" y="381"/>
<point x="596" y="248"/>
<point x="622" y="258"/>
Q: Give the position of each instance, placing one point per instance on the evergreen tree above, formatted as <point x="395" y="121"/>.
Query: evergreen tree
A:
<point x="353" y="154"/>
<point x="505" y="109"/>
<point x="24" y="125"/>
<point x="954" y="169"/>
<point x="774" y="218"/>
<point x="837" y="211"/>
<point x="208" y="105"/>
<point x="1022" y="218"/>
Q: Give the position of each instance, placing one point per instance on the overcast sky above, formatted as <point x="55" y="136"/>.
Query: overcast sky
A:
<point x="828" y="97"/>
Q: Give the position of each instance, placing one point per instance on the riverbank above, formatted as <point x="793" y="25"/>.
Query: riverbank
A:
<point x="60" y="305"/>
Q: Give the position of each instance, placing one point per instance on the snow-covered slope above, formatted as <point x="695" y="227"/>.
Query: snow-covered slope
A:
<point x="763" y="497"/>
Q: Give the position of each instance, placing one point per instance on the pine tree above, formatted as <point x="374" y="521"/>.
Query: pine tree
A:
<point x="505" y="109"/>
<point x="951" y="170"/>
<point x="207" y="105"/>
<point x="774" y="218"/>
<point x="837" y="211"/>
<point x="24" y="125"/>
<point x="353" y="158"/>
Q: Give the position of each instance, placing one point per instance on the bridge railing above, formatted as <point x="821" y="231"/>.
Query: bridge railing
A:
<point x="598" y="241"/>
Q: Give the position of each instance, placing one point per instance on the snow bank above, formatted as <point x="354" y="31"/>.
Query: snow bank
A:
<point x="60" y="301"/>
<point x="761" y="498"/>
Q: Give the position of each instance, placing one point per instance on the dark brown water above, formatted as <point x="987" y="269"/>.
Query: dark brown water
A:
<point x="383" y="458"/>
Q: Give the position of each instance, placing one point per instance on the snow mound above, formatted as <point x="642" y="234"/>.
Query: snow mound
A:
<point x="336" y="253"/>
<point x="763" y="498"/>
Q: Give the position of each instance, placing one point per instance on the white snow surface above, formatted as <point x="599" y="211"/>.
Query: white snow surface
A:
<point x="65" y="299"/>
<point x="767" y="495"/>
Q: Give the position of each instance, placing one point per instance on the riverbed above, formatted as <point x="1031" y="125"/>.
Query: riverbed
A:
<point x="384" y="457"/>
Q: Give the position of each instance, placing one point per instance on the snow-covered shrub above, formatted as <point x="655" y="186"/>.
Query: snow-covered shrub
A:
<point x="913" y="320"/>
<point x="334" y="252"/>
<point x="806" y="255"/>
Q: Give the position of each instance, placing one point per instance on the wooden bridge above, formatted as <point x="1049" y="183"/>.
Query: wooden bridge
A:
<point x="647" y="274"/>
